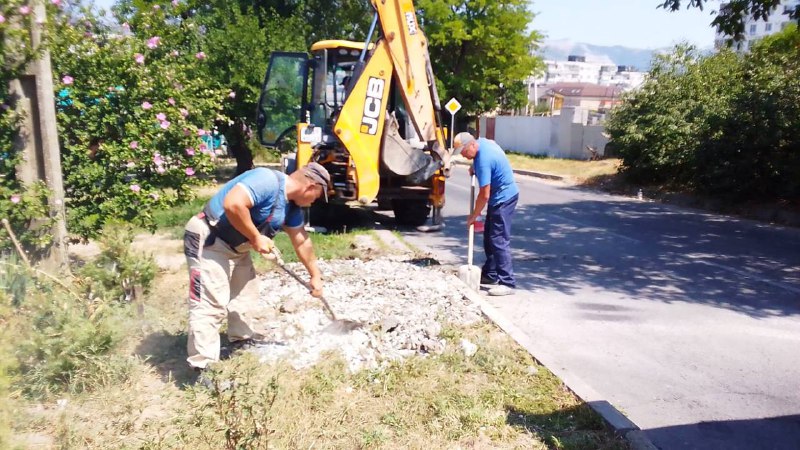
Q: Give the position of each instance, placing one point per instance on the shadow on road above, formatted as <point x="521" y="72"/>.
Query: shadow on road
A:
<point x="772" y="433"/>
<point x="650" y="252"/>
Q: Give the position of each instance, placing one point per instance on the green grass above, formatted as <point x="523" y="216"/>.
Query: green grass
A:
<point x="326" y="246"/>
<point x="575" y="169"/>
<point x="172" y="221"/>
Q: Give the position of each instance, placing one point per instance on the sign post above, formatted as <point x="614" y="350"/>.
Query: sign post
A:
<point x="452" y="107"/>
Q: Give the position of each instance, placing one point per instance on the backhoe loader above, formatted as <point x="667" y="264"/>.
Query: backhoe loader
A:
<point x="372" y="116"/>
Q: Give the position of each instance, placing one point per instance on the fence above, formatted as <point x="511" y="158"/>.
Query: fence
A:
<point x="563" y="136"/>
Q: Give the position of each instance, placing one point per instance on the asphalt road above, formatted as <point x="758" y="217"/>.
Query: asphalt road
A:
<point x="688" y="322"/>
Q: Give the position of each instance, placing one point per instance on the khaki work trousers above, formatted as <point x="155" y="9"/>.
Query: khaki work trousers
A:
<point x="222" y="282"/>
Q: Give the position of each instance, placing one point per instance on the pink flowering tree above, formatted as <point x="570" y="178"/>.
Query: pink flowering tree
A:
<point x="129" y="106"/>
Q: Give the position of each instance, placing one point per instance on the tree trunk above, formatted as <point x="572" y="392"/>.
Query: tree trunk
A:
<point x="238" y="135"/>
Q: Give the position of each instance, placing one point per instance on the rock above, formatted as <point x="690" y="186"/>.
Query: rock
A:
<point x="290" y="306"/>
<point x="389" y="324"/>
<point x="532" y="370"/>
<point x="432" y="346"/>
<point x="468" y="348"/>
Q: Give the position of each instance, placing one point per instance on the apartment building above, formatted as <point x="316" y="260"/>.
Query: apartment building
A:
<point x="757" y="29"/>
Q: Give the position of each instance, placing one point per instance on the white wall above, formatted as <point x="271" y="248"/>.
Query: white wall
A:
<point x="563" y="136"/>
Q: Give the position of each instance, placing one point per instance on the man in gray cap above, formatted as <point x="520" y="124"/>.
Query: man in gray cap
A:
<point x="499" y="193"/>
<point x="244" y="215"/>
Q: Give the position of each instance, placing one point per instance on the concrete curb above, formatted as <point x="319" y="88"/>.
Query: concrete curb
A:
<point x="530" y="173"/>
<point x="621" y="425"/>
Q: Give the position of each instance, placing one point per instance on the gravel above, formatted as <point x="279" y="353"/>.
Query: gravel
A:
<point x="403" y="306"/>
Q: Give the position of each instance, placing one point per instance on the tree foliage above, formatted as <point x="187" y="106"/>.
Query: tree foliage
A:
<point x="730" y="20"/>
<point x="480" y="50"/>
<point x="132" y="107"/>
<point x="724" y="124"/>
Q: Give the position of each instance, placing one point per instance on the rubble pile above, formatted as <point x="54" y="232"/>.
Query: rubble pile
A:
<point x="402" y="306"/>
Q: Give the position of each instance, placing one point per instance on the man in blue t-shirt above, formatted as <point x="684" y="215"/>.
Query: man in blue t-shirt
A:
<point x="499" y="190"/>
<point x="244" y="215"/>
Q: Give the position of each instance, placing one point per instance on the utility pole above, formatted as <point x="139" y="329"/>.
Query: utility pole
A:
<point x="38" y="139"/>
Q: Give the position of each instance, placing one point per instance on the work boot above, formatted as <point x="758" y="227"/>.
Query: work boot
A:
<point x="205" y="380"/>
<point x="501" y="290"/>
<point x="486" y="281"/>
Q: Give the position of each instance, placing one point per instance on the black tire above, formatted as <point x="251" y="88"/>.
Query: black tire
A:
<point x="411" y="213"/>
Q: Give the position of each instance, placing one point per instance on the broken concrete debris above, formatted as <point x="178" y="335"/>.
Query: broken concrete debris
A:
<point x="403" y="306"/>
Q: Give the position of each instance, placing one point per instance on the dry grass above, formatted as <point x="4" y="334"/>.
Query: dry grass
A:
<point x="576" y="170"/>
<point x="498" y="398"/>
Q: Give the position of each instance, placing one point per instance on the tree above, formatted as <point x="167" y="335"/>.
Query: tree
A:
<point x="133" y="105"/>
<point x="730" y="19"/>
<point x="477" y="46"/>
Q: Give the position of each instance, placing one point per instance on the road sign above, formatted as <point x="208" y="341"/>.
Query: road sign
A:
<point x="452" y="106"/>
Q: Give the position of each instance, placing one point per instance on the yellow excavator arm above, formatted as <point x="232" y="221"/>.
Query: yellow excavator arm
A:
<point x="400" y="53"/>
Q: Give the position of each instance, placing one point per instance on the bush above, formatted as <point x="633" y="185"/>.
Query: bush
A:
<point x="724" y="124"/>
<point x="66" y="341"/>
<point x="132" y="109"/>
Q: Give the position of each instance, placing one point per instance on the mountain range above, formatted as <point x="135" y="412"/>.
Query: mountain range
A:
<point x="560" y="49"/>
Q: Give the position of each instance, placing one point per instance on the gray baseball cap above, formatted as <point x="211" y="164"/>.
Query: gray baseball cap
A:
<point x="319" y="175"/>
<point x="462" y="139"/>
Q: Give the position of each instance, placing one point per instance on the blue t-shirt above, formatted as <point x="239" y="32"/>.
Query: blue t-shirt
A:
<point x="264" y="186"/>
<point x="492" y="167"/>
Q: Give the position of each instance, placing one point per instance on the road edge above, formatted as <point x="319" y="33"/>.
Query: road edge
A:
<point x="619" y="422"/>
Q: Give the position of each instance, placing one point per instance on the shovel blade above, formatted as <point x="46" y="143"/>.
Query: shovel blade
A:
<point x="342" y="326"/>
<point x="471" y="276"/>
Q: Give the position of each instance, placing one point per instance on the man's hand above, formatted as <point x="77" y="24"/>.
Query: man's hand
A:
<point x="471" y="219"/>
<point x="316" y="286"/>
<point x="263" y="244"/>
<point x="471" y="170"/>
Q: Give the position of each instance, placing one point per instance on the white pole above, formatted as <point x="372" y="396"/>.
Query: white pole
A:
<point x="452" y="129"/>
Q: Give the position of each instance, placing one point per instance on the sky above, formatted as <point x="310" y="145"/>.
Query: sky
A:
<point x="630" y="23"/>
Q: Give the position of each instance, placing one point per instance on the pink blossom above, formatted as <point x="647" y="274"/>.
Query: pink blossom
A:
<point x="2" y="18"/>
<point x="136" y="188"/>
<point x="184" y="112"/>
<point x="201" y="132"/>
<point x="146" y="105"/>
<point x="156" y="7"/>
<point x="15" y="198"/>
<point x="175" y="2"/>
<point x="155" y="196"/>
<point x="157" y="159"/>
<point x="134" y="144"/>
<point x="25" y="10"/>
<point x="175" y="53"/>
<point x="189" y="171"/>
<point x="200" y="55"/>
<point x="171" y="101"/>
<point x="232" y="94"/>
<point x="161" y="117"/>
<point x="56" y="2"/>
<point x="190" y="151"/>
<point x="202" y="148"/>
<point x="126" y="26"/>
<point x="160" y="170"/>
<point x="130" y="165"/>
<point x="67" y="80"/>
<point x="153" y="42"/>
<point x="187" y="132"/>
<point x="139" y="58"/>
<point x="165" y="124"/>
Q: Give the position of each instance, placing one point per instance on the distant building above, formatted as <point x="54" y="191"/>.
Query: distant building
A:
<point x="592" y="78"/>
<point x="757" y="29"/>
<point x="589" y="96"/>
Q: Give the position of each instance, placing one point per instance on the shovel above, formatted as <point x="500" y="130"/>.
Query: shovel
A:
<point x="337" y="326"/>
<point x="470" y="274"/>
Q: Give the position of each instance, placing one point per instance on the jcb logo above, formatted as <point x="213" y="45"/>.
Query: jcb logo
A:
<point x="412" y="23"/>
<point x="372" y="106"/>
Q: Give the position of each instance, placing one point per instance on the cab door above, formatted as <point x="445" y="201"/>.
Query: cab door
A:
<point x="283" y="96"/>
